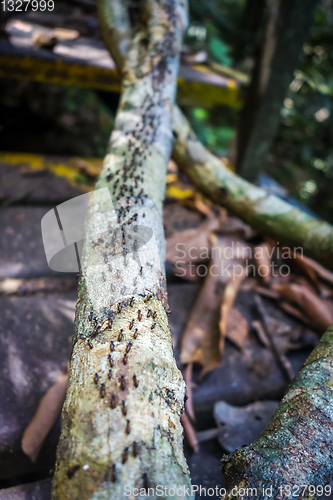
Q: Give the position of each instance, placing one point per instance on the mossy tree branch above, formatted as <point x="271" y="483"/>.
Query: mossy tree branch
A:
<point x="268" y="214"/>
<point x="121" y="418"/>
<point x="295" y="449"/>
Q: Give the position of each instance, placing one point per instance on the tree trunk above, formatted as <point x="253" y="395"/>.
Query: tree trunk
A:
<point x="293" y="455"/>
<point x="121" y="418"/>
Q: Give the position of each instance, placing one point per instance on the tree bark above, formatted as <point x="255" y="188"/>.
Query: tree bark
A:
<point x="121" y="418"/>
<point x="295" y="449"/>
<point x="268" y="214"/>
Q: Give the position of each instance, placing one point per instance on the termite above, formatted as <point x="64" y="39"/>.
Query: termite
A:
<point x="122" y="383"/>
<point x="136" y="333"/>
<point x="111" y="346"/>
<point x="124" y="409"/>
<point x="132" y="302"/>
<point x="155" y="314"/>
<point x="149" y="313"/>
<point x="135" y="449"/>
<point x="146" y="482"/>
<point x="135" y="381"/>
<point x="131" y="324"/>
<point x="120" y="336"/>
<point x="153" y="326"/>
<point x="90" y="344"/>
<point x="113" y="473"/>
<point x="139" y="315"/>
<point x="129" y="345"/>
<point x="110" y="374"/>
<point x="119" y="307"/>
<point x="125" y="359"/>
<point x="113" y="401"/>
<point x="111" y="361"/>
<point x="72" y="470"/>
<point x="124" y="456"/>
<point x="102" y="390"/>
<point x="96" y="378"/>
<point x="128" y="427"/>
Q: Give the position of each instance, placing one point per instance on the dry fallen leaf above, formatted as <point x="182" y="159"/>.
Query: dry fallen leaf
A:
<point x="237" y="328"/>
<point x="321" y="271"/>
<point x="228" y="299"/>
<point x="184" y="246"/>
<point x="263" y="261"/>
<point x="318" y="310"/>
<point x="47" y="413"/>
<point x="200" y="343"/>
<point x="201" y="337"/>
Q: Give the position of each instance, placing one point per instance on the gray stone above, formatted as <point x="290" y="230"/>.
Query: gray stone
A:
<point x="39" y="490"/>
<point x="21" y="184"/>
<point x="35" y="346"/>
<point x="21" y="246"/>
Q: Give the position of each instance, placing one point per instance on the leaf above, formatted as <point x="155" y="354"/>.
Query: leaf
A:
<point x="201" y="337"/>
<point x="190" y="241"/>
<point x="228" y="300"/>
<point x="262" y="258"/>
<point x="201" y="342"/>
<point x="47" y="413"/>
<point x="319" y="312"/>
<point x="321" y="271"/>
<point x="239" y="426"/>
<point x="237" y="328"/>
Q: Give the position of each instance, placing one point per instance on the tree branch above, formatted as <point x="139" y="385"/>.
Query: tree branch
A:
<point x="121" y="418"/>
<point x="295" y="448"/>
<point x="268" y="214"/>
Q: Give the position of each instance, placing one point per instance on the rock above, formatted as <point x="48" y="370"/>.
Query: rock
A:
<point x="205" y="469"/>
<point x="21" y="247"/>
<point x="35" y="346"/>
<point x="20" y="183"/>
<point x="239" y="426"/>
<point x="39" y="490"/>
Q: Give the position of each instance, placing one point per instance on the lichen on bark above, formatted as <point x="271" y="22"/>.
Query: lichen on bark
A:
<point x="267" y="213"/>
<point x="296" y="448"/>
<point x="121" y="418"/>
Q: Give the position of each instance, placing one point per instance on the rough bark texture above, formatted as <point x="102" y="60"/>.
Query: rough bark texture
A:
<point x="121" y="418"/>
<point x="268" y="214"/>
<point x="295" y="449"/>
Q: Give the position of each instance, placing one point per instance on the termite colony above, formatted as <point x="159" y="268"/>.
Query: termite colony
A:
<point x="120" y="341"/>
<point x="127" y="188"/>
